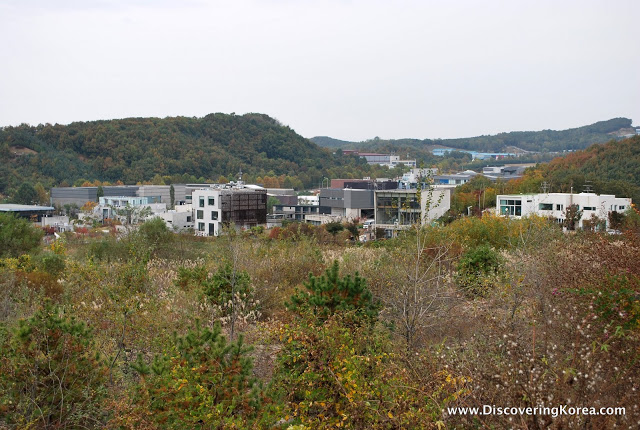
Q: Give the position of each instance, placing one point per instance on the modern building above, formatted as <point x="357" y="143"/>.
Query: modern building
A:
<point x="61" y="196"/>
<point x="400" y="209"/>
<point x="388" y="160"/>
<point x="32" y="212"/>
<point x="228" y="204"/>
<point x="554" y="205"/>
<point x="475" y="154"/>
<point x="299" y="212"/>
<point x="127" y="209"/>
<point x="347" y="204"/>
<point x="177" y="221"/>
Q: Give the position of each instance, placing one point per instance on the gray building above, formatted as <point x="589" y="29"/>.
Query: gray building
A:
<point x="61" y="196"/>
<point x="348" y="203"/>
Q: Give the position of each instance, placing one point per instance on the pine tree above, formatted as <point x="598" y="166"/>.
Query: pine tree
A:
<point x="50" y="373"/>
<point x="329" y="294"/>
<point x="202" y="382"/>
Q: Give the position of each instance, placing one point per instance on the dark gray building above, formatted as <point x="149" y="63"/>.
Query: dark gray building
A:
<point x="348" y="203"/>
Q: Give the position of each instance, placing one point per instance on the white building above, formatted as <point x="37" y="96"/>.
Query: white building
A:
<point x="128" y="209"/>
<point x="177" y="221"/>
<point x="554" y="205"/>
<point x="245" y="207"/>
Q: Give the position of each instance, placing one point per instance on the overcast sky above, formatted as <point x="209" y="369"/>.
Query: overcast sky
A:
<point x="347" y="69"/>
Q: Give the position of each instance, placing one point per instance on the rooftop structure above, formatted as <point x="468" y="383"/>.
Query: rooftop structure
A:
<point x="34" y="212"/>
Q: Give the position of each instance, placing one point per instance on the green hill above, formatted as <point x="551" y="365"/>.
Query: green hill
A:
<point x="535" y="141"/>
<point x="612" y="168"/>
<point x="179" y="149"/>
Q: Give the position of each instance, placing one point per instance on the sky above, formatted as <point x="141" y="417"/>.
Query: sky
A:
<point x="347" y="69"/>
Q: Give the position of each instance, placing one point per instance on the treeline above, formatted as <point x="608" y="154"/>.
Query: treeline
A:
<point x="136" y="150"/>
<point x="612" y="168"/>
<point x="535" y="141"/>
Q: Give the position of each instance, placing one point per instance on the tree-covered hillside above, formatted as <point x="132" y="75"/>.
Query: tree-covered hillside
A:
<point x="535" y="141"/>
<point x="138" y="149"/>
<point x="612" y="168"/>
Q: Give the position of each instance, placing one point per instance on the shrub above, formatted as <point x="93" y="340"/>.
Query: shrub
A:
<point x="202" y="382"/>
<point x="17" y="236"/>
<point x="329" y="294"/>
<point x="50" y="373"/>
<point x="476" y="269"/>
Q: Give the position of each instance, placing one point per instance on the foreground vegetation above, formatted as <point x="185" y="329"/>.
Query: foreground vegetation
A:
<point x="301" y="328"/>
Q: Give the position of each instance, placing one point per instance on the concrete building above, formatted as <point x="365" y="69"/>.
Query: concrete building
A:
<point x="128" y="210"/>
<point x="388" y="160"/>
<point x="226" y="204"/>
<point x="32" y="212"/>
<point x="298" y="213"/>
<point x="347" y="204"/>
<point x="177" y="221"/>
<point x="554" y="205"/>
<point x="400" y="209"/>
<point x="475" y="154"/>
<point x="61" y="196"/>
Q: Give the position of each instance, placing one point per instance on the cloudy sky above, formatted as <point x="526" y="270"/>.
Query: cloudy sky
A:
<point x="349" y="69"/>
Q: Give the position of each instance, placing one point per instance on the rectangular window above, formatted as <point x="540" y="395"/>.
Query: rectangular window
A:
<point x="545" y="206"/>
<point x="212" y="229"/>
<point x="512" y="208"/>
<point x="589" y="208"/>
<point x="200" y="226"/>
<point x="621" y="208"/>
<point x="188" y="218"/>
<point x="201" y="202"/>
<point x="559" y="207"/>
<point x="212" y="201"/>
<point x="199" y="214"/>
<point x="214" y="215"/>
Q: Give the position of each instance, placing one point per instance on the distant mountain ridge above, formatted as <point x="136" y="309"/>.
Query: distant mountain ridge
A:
<point x="184" y="149"/>
<point x="612" y="168"/>
<point x="533" y="141"/>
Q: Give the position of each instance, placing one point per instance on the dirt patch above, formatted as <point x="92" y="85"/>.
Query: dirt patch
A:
<point x="21" y="150"/>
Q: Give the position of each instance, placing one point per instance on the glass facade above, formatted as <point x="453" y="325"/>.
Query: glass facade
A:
<point x="511" y="207"/>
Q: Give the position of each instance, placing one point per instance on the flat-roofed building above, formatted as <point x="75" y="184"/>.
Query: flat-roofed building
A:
<point x="554" y="205"/>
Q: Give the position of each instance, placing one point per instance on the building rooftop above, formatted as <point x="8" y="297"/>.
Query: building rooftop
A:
<point x="10" y="207"/>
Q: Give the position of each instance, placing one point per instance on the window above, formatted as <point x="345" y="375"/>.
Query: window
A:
<point x="200" y="226"/>
<point x="511" y="207"/>
<point x="545" y="206"/>
<point x="589" y="208"/>
<point x="621" y="208"/>
<point x="201" y="201"/>
<point x="212" y="201"/>
<point x="559" y="207"/>
<point x="188" y="218"/>
<point x="214" y="215"/>
<point x="199" y="214"/>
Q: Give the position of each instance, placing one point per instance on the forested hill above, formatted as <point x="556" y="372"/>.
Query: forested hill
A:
<point x="536" y="141"/>
<point x="185" y="149"/>
<point x="612" y="168"/>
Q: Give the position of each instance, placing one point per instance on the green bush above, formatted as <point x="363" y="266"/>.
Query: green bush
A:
<point x="476" y="270"/>
<point x="50" y="373"/>
<point x="17" y="236"/>
<point x="202" y="382"/>
<point x="329" y="294"/>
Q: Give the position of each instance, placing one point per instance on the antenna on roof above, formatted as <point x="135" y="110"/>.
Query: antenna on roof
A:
<point x="588" y="188"/>
<point x="545" y="187"/>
